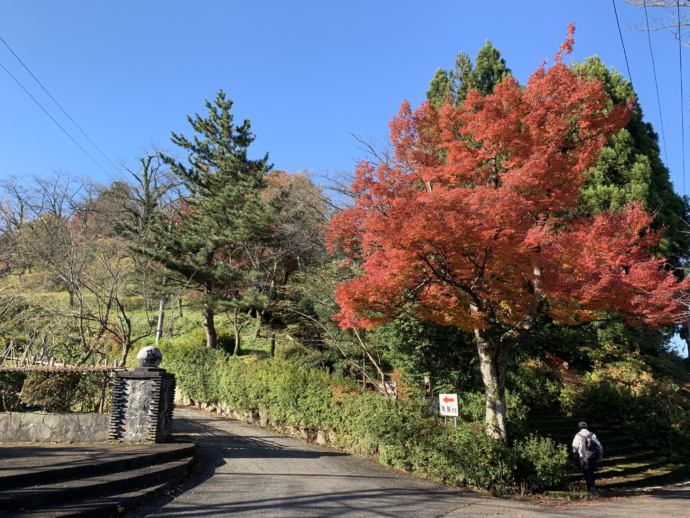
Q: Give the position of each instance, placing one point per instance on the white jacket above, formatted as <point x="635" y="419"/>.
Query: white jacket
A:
<point x="578" y="443"/>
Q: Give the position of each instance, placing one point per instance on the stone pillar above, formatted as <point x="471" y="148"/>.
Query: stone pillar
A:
<point x="142" y="406"/>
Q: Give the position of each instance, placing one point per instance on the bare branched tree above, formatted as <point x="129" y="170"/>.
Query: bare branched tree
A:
<point x="669" y="15"/>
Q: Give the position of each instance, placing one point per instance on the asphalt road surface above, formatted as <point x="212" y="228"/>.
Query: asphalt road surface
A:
<point x="247" y="471"/>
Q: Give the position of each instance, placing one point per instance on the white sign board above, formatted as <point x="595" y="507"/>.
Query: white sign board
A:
<point x="448" y="404"/>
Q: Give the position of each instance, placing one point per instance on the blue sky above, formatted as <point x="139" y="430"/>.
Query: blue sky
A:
<point x="306" y="73"/>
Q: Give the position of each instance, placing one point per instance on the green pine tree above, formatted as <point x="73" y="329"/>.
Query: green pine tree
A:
<point x="221" y="213"/>
<point x="630" y="169"/>
<point x="441" y="88"/>
<point x="488" y="71"/>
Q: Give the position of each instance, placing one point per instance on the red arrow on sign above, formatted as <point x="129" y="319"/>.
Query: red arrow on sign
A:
<point x="447" y="399"/>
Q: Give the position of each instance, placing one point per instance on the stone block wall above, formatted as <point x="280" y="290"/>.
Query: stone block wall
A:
<point x="40" y="427"/>
<point x="142" y="405"/>
<point x="141" y="410"/>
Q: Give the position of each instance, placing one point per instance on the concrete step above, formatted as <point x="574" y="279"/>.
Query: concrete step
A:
<point x="654" y="477"/>
<point x="606" y="437"/>
<point x="642" y="456"/>
<point x="561" y="421"/>
<point x="47" y="495"/>
<point x="100" y="507"/>
<point x="88" y="479"/>
<point x="40" y="464"/>
<point x="569" y="431"/>
<point x="623" y="468"/>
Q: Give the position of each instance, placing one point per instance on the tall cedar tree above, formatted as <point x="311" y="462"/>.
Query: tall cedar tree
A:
<point x="475" y="223"/>
<point x="630" y="168"/>
<point x="222" y="212"/>
<point x="454" y="84"/>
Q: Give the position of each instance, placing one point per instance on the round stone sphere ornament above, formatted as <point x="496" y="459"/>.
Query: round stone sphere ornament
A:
<point x="149" y="357"/>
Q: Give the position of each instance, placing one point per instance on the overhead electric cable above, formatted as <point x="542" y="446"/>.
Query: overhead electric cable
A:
<point x="58" y="104"/>
<point x="53" y="119"/>
<point x="656" y="83"/>
<point x="622" y="43"/>
<point x="682" y="111"/>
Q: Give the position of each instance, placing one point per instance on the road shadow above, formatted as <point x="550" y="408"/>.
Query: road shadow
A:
<point x="669" y="494"/>
<point x="239" y="446"/>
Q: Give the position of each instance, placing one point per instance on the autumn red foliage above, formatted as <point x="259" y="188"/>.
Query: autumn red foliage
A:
<point x="474" y="223"/>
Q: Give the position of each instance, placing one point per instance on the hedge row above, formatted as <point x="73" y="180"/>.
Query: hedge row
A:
<point x="401" y="434"/>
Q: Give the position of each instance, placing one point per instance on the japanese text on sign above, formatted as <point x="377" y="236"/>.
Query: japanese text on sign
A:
<point x="448" y="404"/>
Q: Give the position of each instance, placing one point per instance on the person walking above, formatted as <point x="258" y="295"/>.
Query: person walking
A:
<point x="588" y="449"/>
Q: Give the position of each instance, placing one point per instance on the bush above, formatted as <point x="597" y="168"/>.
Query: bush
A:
<point x="10" y="388"/>
<point x="50" y="392"/>
<point x="541" y="463"/>
<point x="536" y="385"/>
<point x="65" y="392"/>
<point x="464" y="456"/>
<point x="472" y="408"/>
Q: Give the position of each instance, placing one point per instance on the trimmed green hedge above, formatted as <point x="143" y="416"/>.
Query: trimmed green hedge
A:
<point x="402" y="434"/>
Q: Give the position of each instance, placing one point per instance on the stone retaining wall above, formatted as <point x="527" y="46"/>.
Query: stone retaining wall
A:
<point x="40" y="427"/>
<point x="321" y="437"/>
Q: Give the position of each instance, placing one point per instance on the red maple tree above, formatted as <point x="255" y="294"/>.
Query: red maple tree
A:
<point x="474" y="223"/>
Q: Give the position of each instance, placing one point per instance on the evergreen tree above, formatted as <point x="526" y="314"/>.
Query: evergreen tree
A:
<point x="630" y="169"/>
<point x="222" y="212"/>
<point x="441" y="88"/>
<point x="489" y="70"/>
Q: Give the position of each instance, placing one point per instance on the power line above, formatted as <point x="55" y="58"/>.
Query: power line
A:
<point x="682" y="112"/>
<point x="658" y="99"/>
<point x="620" y="33"/>
<point x="51" y="118"/>
<point x="58" y="104"/>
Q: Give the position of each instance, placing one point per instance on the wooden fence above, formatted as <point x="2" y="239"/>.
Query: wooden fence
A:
<point x="27" y="362"/>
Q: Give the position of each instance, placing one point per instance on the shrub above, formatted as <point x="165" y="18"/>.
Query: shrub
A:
<point x="464" y="456"/>
<point x="51" y="392"/>
<point x="472" y="408"/>
<point x="10" y="387"/>
<point x="536" y="385"/>
<point x="541" y="463"/>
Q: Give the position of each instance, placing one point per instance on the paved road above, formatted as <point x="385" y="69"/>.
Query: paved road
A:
<point x="248" y="471"/>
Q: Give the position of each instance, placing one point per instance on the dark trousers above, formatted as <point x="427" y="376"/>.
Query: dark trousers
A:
<point x="588" y="468"/>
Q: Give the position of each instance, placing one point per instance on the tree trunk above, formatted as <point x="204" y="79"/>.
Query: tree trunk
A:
<point x="161" y="317"/>
<point x="273" y="345"/>
<point x="492" y="364"/>
<point x="257" y="329"/>
<point x="210" y="326"/>
<point x="126" y="346"/>
<point x="238" y="337"/>
<point x="493" y="361"/>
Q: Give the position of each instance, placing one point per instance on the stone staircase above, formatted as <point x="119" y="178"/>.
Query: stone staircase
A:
<point x="94" y="480"/>
<point x="627" y="464"/>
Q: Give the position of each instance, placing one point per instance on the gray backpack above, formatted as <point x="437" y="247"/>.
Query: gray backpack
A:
<point x="589" y="447"/>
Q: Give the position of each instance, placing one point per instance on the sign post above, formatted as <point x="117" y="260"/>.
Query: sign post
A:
<point x="448" y="406"/>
